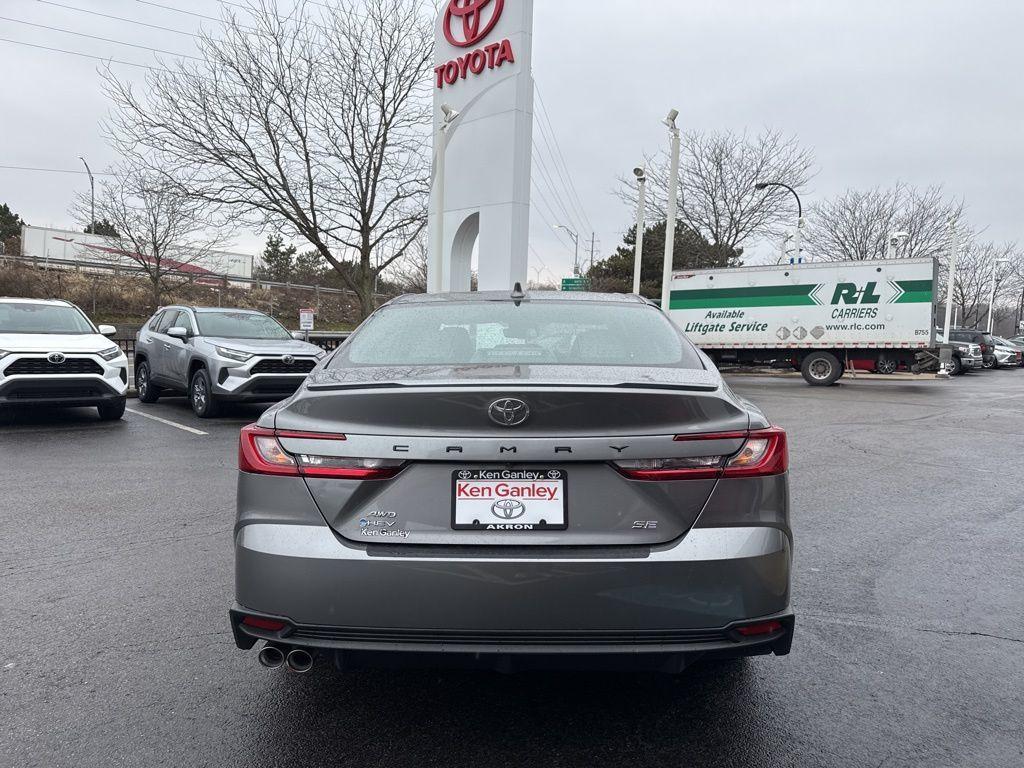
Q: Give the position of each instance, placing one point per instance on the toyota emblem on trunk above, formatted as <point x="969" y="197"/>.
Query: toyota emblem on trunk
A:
<point x="508" y="412"/>
<point x="56" y="358"/>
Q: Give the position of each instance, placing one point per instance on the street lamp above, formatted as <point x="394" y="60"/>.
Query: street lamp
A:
<point x="576" y="241"/>
<point x="92" y="196"/>
<point x="992" y="296"/>
<point x="896" y="239"/>
<point x="641" y="180"/>
<point x="946" y="364"/>
<point x="441" y="140"/>
<point x="673" y="203"/>
<point x="763" y="185"/>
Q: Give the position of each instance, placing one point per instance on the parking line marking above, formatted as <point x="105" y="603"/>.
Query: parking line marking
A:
<point x="174" y="424"/>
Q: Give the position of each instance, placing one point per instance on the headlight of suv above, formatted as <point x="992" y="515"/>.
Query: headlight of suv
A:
<point x="319" y="355"/>
<point x="111" y="353"/>
<point x="234" y="354"/>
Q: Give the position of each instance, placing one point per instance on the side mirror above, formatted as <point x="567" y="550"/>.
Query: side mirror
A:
<point x="299" y="335"/>
<point x="177" y="332"/>
<point x="108" y="330"/>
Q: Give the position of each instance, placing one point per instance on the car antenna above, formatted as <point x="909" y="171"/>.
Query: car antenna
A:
<point x="518" y="294"/>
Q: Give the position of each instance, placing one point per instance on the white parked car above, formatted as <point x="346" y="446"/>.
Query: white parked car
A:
<point x="51" y="354"/>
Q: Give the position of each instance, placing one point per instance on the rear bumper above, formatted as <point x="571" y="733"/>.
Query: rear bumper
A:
<point x="660" y="607"/>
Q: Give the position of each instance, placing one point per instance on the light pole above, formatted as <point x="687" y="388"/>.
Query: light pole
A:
<point x="576" y="241"/>
<point x="798" y="236"/>
<point x="436" y="281"/>
<point x="992" y="296"/>
<point x="92" y="196"/>
<point x="953" y="249"/>
<point x="673" y="203"/>
<point x="641" y="180"/>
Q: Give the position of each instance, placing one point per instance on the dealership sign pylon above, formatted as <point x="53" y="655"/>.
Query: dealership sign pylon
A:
<point x="483" y="71"/>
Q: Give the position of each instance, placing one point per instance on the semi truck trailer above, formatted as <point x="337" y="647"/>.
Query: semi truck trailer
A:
<point x="821" y="318"/>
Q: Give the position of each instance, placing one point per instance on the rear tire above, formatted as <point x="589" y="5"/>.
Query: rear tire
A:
<point x="821" y="369"/>
<point x="200" y="396"/>
<point x="147" y="390"/>
<point x="112" y="411"/>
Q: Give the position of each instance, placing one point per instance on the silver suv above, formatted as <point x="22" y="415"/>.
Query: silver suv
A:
<point x="217" y="355"/>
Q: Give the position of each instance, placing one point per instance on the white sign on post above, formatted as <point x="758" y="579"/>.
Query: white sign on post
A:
<point x="306" y="319"/>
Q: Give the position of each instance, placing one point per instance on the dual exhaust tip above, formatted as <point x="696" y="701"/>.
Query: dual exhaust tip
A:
<point x="297" y="660"/>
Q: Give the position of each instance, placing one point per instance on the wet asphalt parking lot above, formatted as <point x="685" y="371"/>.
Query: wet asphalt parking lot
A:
<point x="908" y="507"/>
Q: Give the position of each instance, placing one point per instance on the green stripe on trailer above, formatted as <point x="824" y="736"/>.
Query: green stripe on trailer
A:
<point x="754" y="296"/>
<point x="915" y="292"/>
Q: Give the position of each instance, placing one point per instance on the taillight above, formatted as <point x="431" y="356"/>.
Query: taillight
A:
<point x="260" y="452"/>
<point x="764" y="453"/>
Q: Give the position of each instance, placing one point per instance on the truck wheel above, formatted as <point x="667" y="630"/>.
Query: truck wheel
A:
<point x="821" y="369"/>
<point x="887" y="365"/>
<point x="955" y="366"/>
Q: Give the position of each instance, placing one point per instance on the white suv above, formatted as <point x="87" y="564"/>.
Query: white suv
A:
<point x="52" y="354"/>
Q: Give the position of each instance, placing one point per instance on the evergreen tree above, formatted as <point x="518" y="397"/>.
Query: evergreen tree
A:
<point x="277" y="261"/>
<point x="615" y="274"/>
<point x="10" y="223"/>
<point x="104" y="228"/>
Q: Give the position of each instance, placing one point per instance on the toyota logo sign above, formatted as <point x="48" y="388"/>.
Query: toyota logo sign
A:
<point x="56" y="358"/>
<point x="471" y="13"/>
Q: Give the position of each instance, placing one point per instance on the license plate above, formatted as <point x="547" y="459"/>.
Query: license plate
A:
<point x="509" y="500"/>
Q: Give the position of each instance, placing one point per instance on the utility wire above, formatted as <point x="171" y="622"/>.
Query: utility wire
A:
<point x="545" y="176"/>
<point x="180" y="10"/>
<point x="104" y="39"/>
<point x="48" y="170"/>
<point x="571" y="184"/>
<point x="116" y="18"/>
<point x="84" y="55"/>
<point x="548" y="141"/>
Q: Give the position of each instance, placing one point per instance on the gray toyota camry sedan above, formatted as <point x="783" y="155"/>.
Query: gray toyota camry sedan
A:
<point x="513" y="480"/>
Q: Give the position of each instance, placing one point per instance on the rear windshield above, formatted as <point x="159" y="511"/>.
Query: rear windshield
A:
<point x="43" y="318"/>
<point x="240" y="325"/>
<point x="500" y="333"/>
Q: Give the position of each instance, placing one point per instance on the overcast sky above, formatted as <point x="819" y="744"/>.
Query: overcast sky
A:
<point x="923" y="91"/>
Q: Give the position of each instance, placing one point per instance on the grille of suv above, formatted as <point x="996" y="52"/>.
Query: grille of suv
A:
<point x="280" y="366"/>
<point x="40" y="366"/>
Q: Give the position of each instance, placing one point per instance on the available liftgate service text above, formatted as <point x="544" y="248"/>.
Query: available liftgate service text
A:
<point x="840" y="304"/>
<point x="467" y="23"/>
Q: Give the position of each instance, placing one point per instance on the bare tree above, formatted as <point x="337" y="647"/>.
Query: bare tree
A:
<point x="166" y="235"/>
<point x="976" y="268"/>
<point x="858" y="224"/>
<point x="718" y="172"/>
<point x="315" y="126"/>
<point x="411" y="277"/>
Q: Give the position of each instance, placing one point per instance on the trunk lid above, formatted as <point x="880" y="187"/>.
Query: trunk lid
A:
<point x="438" y="421"/>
